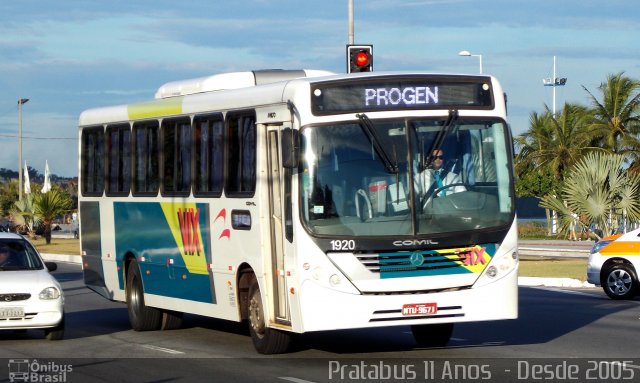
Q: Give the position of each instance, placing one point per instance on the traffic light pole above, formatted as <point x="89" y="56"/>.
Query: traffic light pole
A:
<point x="351" y="36"/>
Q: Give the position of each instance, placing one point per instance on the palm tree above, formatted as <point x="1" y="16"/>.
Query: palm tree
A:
<point x="553" y="145"/>
<point x="532" y="141"/>
<point x="599" y="189"/>
<point x="23" y="216"/>
<point x="48" y="206"/>
<point x="558" y="141"/>
<point x="616" y="120"/>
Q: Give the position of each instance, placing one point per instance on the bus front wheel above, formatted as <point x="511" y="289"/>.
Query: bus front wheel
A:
<point x="141" y="317"/>
<point x="432" y="335"/>
<point x="266" y="340"/>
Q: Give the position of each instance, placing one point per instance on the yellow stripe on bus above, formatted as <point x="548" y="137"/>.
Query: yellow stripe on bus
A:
<point x="156" y="108"/>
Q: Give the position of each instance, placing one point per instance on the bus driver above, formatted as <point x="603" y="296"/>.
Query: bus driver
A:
<point x="436" y="178"/>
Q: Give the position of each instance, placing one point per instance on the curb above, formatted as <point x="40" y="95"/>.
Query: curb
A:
<point x="553" y="282"/>
<point x="77" y="259"/>
<point x="550" y="252"/>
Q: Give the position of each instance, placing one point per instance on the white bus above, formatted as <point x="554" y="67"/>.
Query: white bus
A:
<point x="297" y="201"/>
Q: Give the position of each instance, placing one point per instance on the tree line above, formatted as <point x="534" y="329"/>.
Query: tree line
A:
<point x="36" y="211"/>
<point x="584" y="161"/>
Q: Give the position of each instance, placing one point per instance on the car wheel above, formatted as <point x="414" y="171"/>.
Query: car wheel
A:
<point x="432" y="335"/>
<point x="141" y="317"/>
<point x="619" y="281"/>
<point x="57" y="332"/>
<point x="266" y="340"/>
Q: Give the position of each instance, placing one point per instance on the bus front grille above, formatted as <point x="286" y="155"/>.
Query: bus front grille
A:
<point x="416" y="263"/>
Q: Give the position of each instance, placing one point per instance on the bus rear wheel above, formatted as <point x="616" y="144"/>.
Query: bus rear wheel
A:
<point x="432" y="335"/>
<point x="141" y="317"/>
<point x="171" y="320"/>
<point x="266" y="340"/>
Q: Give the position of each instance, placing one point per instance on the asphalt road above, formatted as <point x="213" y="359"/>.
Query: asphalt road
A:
<point x="554" y="327"/>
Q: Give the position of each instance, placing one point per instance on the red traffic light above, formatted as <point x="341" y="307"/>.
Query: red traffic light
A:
<point x="362" y="59"/>
<point x="359" y="58"/>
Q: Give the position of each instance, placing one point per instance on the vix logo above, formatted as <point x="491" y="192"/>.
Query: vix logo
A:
<point x="475" y="257"/>
<point x="189" y="229"/>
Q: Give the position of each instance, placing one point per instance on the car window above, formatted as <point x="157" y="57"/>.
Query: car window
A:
<point x="18" y="254"/>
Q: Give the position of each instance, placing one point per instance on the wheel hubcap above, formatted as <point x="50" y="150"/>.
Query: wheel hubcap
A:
<point x="255" y="315"/>
<point x="619" y="282"/>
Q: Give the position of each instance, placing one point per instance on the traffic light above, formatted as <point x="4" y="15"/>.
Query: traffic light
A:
<point x="359" y="58"/>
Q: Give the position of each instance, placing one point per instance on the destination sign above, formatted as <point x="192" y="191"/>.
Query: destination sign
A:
<point x="384" y="93"/>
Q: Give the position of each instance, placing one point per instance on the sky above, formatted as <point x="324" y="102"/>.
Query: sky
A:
<point x="67" y="56"/>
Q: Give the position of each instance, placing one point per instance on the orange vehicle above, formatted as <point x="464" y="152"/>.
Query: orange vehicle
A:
<point x="613" y="264"/>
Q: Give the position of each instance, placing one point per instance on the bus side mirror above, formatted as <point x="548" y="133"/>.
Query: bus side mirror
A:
<point x="290" y="148"/>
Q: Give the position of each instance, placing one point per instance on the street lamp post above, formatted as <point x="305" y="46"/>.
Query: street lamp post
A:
<point x="554" y="82"/>
<point x="468" y="54"/>
<point x="21" y="102"/>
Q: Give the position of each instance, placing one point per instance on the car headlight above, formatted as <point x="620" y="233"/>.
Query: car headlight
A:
<point x="599" y="245"/>
<point x="49" y="293"/>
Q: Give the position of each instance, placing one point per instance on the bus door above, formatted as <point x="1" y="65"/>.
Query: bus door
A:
<point x="280" y="246"/>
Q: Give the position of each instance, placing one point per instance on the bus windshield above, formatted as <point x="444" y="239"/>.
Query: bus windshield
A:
<point x="406" y="177"/>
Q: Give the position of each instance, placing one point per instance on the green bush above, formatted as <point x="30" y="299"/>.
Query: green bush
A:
<point x="532" y="230"/>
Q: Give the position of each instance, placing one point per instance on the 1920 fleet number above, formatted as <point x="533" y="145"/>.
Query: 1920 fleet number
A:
<point x="343" y="244"/>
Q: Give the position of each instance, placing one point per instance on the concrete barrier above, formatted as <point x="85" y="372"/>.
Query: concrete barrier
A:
<point x="553" y="252"/>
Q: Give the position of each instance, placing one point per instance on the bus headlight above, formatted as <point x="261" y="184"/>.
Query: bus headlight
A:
<point x="500" y="266"/>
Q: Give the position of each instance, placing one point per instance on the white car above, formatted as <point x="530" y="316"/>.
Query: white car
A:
<point x="614" y="263"/>
<point x="30" y="297"/>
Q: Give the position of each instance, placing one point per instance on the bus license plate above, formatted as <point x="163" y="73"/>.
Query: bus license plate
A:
<point x="11" y="312"/>
<point x="420" y="309"/>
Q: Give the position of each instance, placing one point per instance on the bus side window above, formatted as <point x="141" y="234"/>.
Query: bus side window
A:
<point x="209" y="153"/>
<point x="176" y="163"/>
<point x="118" y="159"/>
<point x="145" y="159"/>
<point x="241" y="155"/>
<point x="92" y="161"/>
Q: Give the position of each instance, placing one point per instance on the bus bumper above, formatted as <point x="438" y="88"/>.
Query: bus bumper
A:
<point x="325" y="309"/>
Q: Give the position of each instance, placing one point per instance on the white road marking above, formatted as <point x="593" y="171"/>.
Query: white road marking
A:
<point x="559" y="290"/>
<point x="162" y="349"/>
<point x="295" y="380"/>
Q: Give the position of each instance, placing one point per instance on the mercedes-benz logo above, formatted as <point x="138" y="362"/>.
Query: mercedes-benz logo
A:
<point x="416" y="259"/>
<point x="8" y="298"/>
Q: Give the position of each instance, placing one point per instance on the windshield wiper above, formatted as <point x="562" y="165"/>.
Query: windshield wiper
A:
<point x="442" y="133"/>
<point x="366" y="125"/>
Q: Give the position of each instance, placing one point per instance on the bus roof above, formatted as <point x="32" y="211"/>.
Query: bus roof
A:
<point x="234" y="80"/>
<point x="203" y="92"/>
